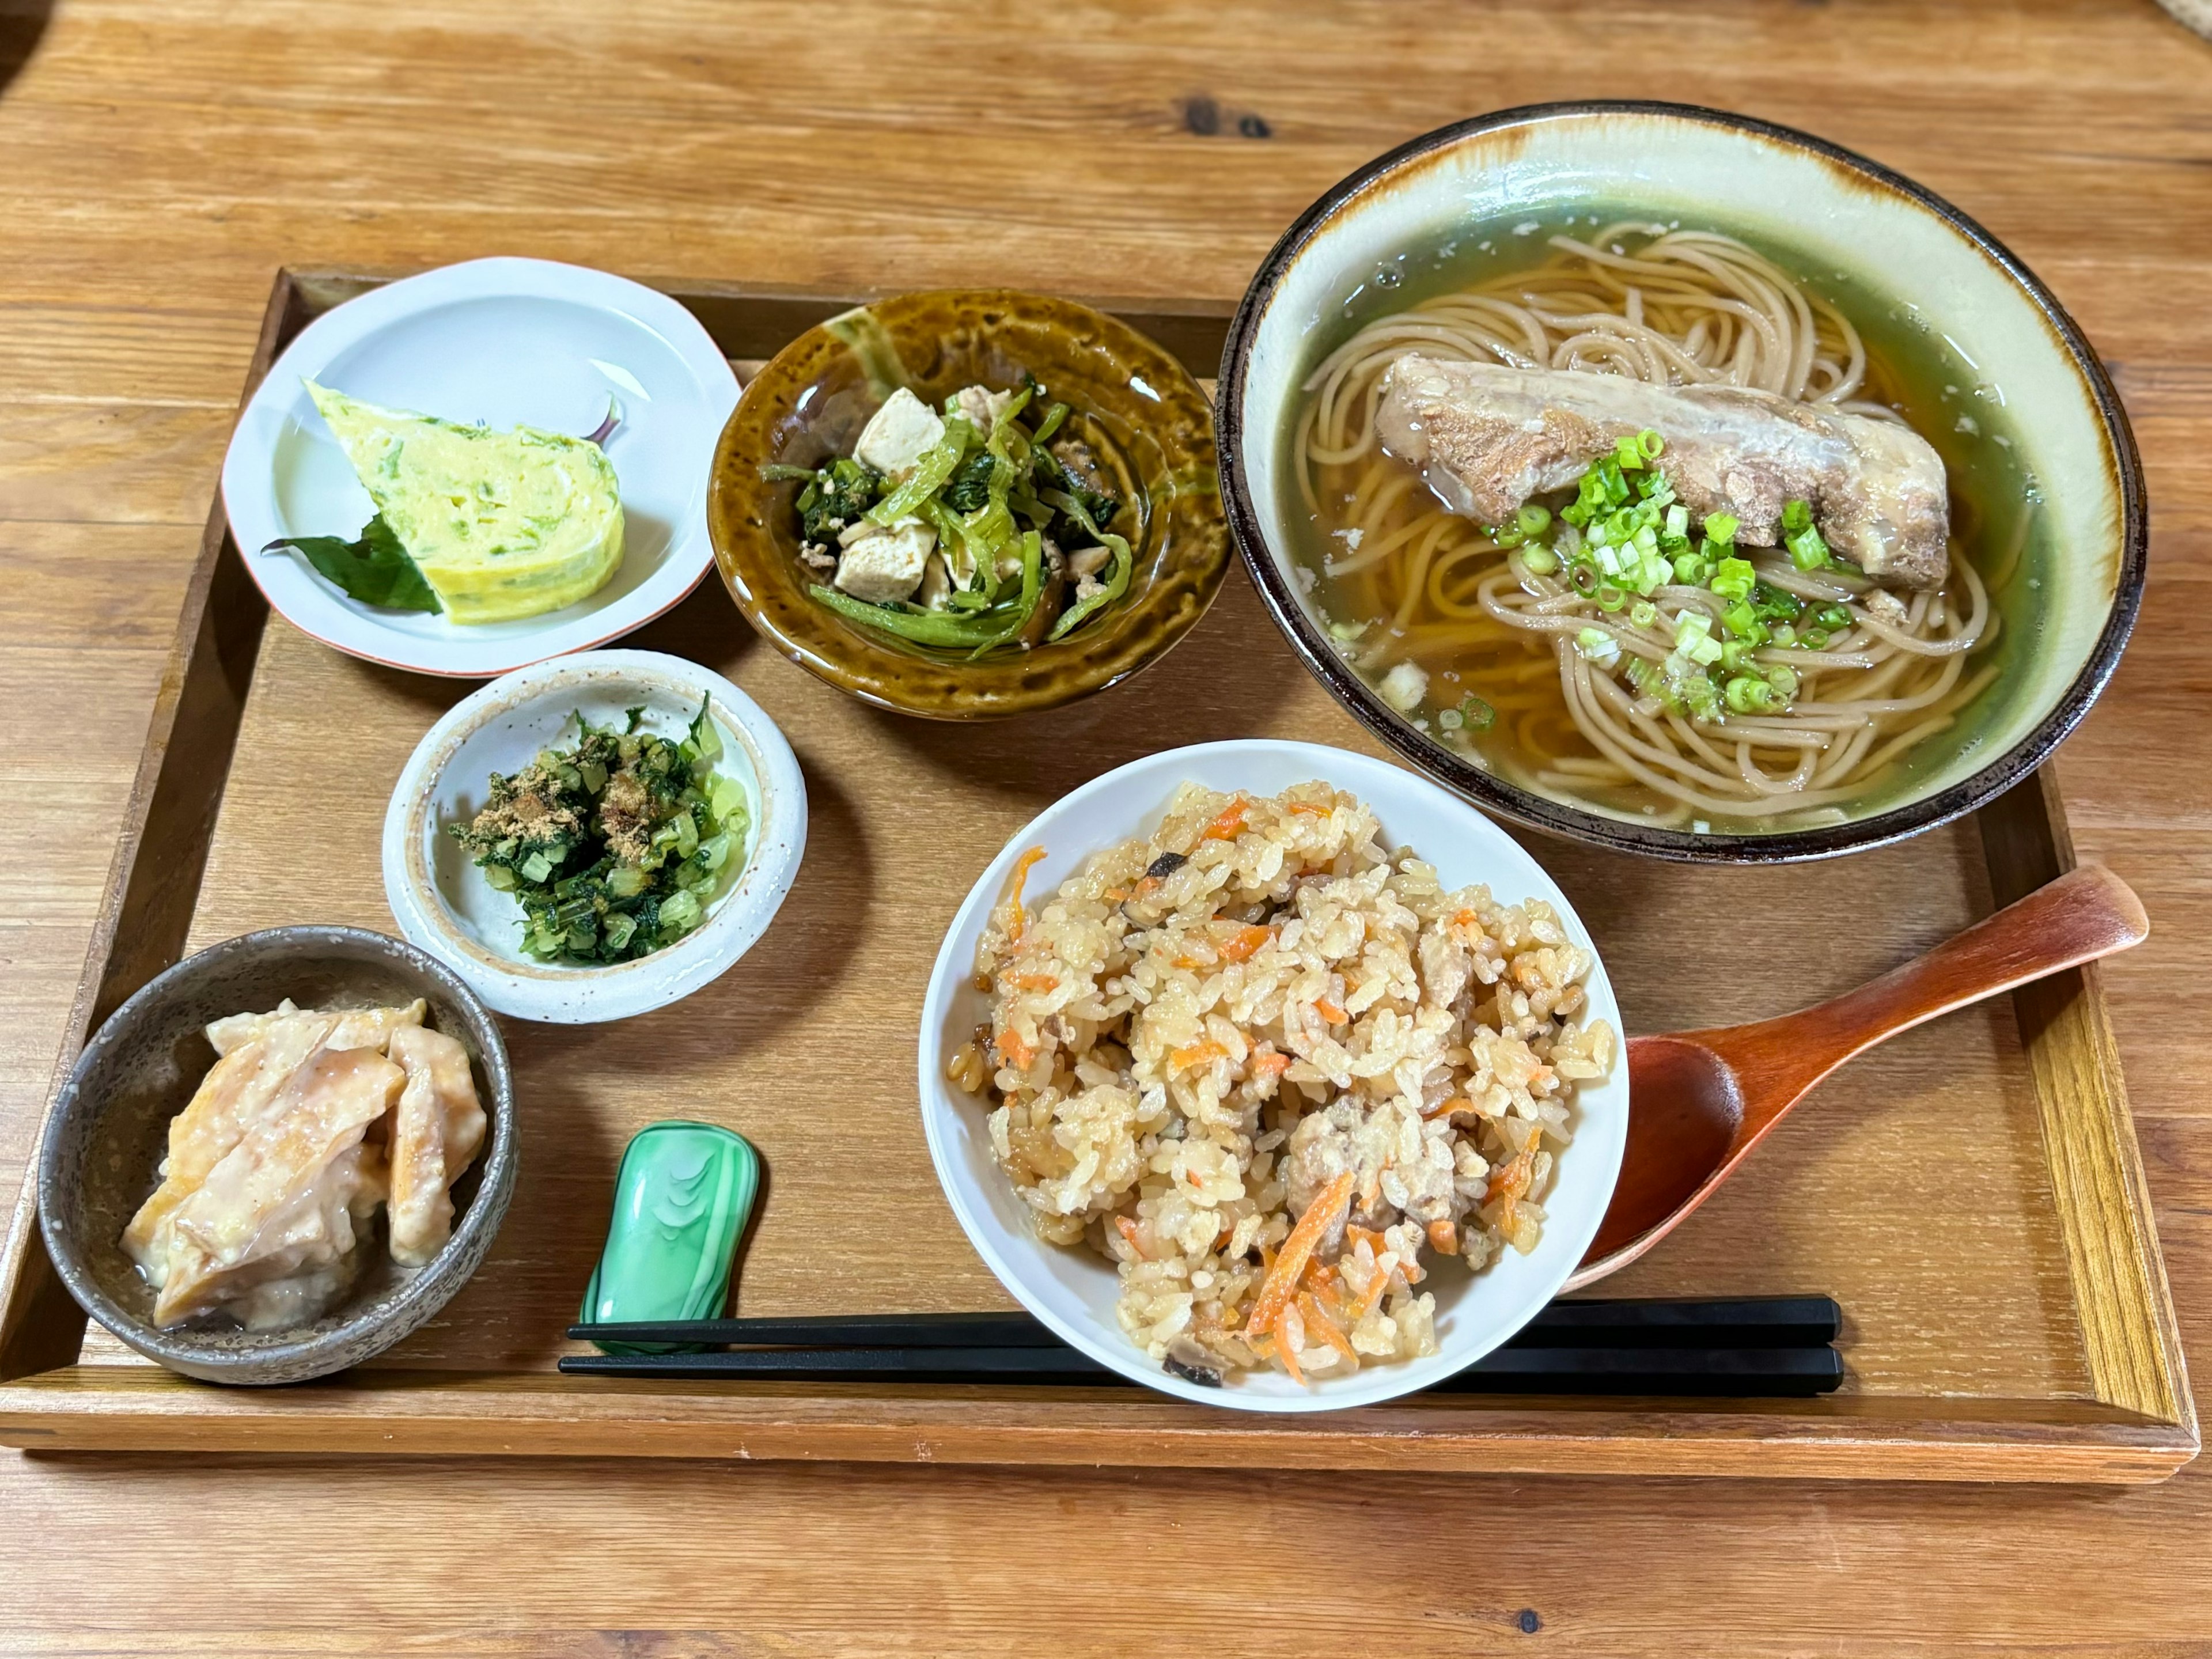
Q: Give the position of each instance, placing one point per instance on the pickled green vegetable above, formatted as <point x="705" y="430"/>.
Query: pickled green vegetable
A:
<point x="615" y="847"/>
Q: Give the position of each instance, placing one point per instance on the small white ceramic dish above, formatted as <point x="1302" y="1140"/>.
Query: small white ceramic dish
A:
<point x="503" y="342"/>
<point x="444" y="906"/>
<point x="1073" y="1290"/>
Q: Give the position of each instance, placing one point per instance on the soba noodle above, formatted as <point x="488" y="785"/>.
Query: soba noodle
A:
<point x="1678" y="307"/>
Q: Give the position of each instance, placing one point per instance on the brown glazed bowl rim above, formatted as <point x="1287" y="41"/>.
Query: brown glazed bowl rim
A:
<point x="374" y="1327"/>
<point x="760" y="572"/>
<point x="1536" y="812"/>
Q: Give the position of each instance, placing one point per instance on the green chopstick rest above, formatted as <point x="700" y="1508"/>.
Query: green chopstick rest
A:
<point x="683" y="1196"/>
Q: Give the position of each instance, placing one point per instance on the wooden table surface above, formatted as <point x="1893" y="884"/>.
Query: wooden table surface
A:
<point x="159" y="158"/>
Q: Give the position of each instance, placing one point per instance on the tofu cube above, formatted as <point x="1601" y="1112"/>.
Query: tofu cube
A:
<point x="899" y="435"/>
<point x="885" y="566"/>
<point x="982" y="406"/>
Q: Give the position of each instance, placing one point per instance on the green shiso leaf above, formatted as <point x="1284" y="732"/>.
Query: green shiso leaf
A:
<point x="373" y="568"/>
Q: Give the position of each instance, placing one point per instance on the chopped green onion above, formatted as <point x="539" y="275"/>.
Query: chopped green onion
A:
<point x="1741" y="620"/>
<point x="1540" y="559"/>
<point x="1783" y="680"/>
<point x="1735" y="656"/>
<point x="1598" y="646"/>
<point x="1734" y="579"/>
<point x="1644" y="613"/>
<point x="1721" y="527"/>
<point x="1533" y="519"/>
<point x="1833" y="617"/>
<point x="1510" y="538"/>
<point x="1479" y="715"/>
<point x="1650" y="444"/>
<point x="1747" y="695"/>
<point x="1784" y="635"/>
<point x="1610" y="597"/>
<point x="1815" y="639"/>
<point x="1807" y="550"/>
<point x="1629" y="454"/>
<point x="1678" y="521"/>
<point x="1775" y="605"/>
<point x="1796" y="515"/>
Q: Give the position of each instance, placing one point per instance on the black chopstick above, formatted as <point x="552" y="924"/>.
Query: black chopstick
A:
<point x="1723" y="1373"/>
<point x="1774" y="1321"/>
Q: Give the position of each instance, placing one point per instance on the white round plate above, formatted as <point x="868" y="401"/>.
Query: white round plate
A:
<point x="503" y="342"/>
<point x="1072" y="1289"/>
<point x="442" y="901"/>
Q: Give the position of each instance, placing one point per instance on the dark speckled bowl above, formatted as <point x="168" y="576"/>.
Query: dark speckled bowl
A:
<point x="810" y="403"/>
<point x="109" y="1128"/>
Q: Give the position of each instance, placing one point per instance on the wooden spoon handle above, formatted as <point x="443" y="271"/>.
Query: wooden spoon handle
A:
<point x="2085" y="914"/>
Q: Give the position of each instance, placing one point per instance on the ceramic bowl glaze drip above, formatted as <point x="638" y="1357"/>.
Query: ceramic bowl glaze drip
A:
<point x="810" y="403"/>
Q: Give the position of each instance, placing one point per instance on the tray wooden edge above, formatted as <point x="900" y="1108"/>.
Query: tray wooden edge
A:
<point x="2130" y="1337"/>
<point x="2141" y="1426"/>
<point x="128" y="1409"/>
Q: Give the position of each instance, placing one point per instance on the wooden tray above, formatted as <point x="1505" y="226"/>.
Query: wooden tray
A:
<point x="1971" y="1193"/>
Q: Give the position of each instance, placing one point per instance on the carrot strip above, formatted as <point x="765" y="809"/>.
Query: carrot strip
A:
<point x="1318" y="1319"/>
<point x="1015" y="1053"/>
<point x="1290" y="1363"/>
<point x="1330" y="1012"/>
<point x="1446" y="1107"/>
<point x="1269" y="1062"/>
<point x="1356" y="1234"/>
<point x="1444" y="1236"/>
<point x="1196" y="1055"/>
<point x="1310" y="809"/>
<point x="1037" y="982"/>
<point x="1244" y="942"/>
<point x="1327" y="1209"/>
<point x="1129" y="1231"/>
<point x="1376" y="1287"/>
<point x="1020" y="924"/>
<point x="1510" y="1179"/>
<point x="1231" y="821"/>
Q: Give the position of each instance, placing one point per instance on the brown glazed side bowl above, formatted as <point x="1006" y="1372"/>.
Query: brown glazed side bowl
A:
<point x="108" y="1132"/>
<point x="809" y="405"/>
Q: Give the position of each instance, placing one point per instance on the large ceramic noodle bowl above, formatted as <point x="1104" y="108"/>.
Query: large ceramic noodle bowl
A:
<point x="1679" y="483"/>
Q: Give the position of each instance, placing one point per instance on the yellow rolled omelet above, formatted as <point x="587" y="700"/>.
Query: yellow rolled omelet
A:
<point x="503" y="525"/>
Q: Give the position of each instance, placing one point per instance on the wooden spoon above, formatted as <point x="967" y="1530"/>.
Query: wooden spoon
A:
<point x="1699" y="1100"/>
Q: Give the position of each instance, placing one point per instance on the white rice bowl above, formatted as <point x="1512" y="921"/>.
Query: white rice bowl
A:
<point x="1074" y="1289"/>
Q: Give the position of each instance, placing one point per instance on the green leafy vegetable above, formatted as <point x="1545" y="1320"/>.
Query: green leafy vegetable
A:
<point x="373" y="568"/>
<point x="835" y="496"/>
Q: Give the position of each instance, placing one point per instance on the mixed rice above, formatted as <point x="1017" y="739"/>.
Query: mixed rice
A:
<point x="1264" y="1065"/>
